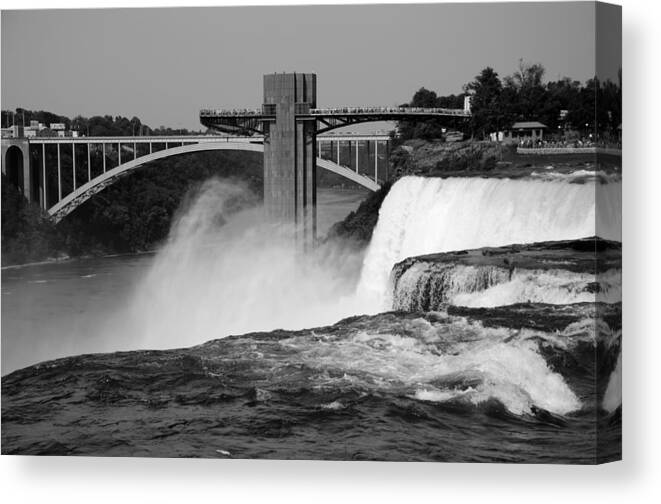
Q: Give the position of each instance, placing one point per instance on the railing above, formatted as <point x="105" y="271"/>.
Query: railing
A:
<point x="268" y="110"/>
<point x="141" y="139"/>
<point x="379" y="135"/>
<point x="232" y="113"/>
<point x="388" y="110"/>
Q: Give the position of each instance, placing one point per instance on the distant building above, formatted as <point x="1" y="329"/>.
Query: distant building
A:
<point x="453" y="136"/>
<point x="37" y="129"/>
<point x="523" y="130"/>
<point x="468" y="98"/>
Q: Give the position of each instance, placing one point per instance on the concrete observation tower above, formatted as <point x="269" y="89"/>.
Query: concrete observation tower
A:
<point x="289" y="120"/>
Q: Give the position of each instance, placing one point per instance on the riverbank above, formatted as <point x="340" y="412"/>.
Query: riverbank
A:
<point x="491" y="159"/>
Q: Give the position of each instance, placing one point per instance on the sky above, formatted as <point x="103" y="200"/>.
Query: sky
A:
<point x="164" y="64"/>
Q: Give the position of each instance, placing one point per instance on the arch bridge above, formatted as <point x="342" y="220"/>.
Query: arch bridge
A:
<point x="76" y="168"/>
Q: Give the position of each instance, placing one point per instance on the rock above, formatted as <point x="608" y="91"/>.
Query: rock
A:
<point x="555" y="272"/>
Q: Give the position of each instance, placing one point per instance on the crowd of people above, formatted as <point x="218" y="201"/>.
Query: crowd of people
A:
<point x="563" y="143"/>
<point x="342" y="110"/>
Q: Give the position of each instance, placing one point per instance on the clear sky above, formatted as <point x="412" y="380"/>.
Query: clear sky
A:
<point x="163" y="65"/>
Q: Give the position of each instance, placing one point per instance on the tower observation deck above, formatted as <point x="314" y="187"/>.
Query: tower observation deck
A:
<point x="289" y="120"/>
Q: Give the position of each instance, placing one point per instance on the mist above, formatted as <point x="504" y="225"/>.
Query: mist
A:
<point x="225" y="272"/>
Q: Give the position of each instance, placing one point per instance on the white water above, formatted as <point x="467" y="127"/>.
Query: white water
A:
<point x="453" y="360"/>
<point x="222" y="274"/>
<point x="613" y="395"/>
<point x="428" y="215"/>
<point x="425" y="287"/>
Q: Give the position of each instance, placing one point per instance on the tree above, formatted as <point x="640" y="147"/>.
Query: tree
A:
<point x="431" y="129"/>
<point x="527" y="76"/>
<point x="427" y="130"/>
<point x="527" y="89"/>
<point x="488" y="111"/>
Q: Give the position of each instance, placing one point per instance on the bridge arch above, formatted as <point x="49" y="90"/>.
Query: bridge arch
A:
<point x="74" y="199"/>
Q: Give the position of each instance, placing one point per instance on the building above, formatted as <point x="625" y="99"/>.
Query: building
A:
<point x="37" y="129"/>
<point x="468" y="99"/>
<point x="521" y="131"/>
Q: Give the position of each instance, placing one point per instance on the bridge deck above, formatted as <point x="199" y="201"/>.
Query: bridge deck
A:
<point x="254" y="120"/>
<point x="394" y="112"/>
<point x="120" y="155"/>
<point x="195" y="138"/>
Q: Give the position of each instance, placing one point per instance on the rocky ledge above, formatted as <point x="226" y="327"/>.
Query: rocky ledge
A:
<point x="557" y="272"/>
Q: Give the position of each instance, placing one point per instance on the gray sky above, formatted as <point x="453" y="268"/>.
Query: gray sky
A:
<point x="163" y="65"/>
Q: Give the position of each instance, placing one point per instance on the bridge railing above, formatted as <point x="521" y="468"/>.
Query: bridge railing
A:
<point x="379" y="135"/>
<point x="388" y="110"/>
<point x="139" y="139"/>
<point x="209" y="112"/>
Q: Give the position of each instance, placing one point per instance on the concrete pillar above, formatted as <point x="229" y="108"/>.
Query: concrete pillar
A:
<point x="290" y="191"/>
<point x="73" y="160"/>
<point x="357" y="157"/>
<point x="386" y="161"/>
<point x="89" y="163"/>
<point x="44" y="183"/>
<point x="104" y="156"/>
<point x="27" y="172"/>
<point x="135" y="150"/>
<point x="59" y="174"/>
<point x="376" y="159"/>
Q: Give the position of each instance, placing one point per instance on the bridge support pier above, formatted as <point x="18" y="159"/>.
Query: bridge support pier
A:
<point x="17" y="166"/>
<point x="290" y="187"/>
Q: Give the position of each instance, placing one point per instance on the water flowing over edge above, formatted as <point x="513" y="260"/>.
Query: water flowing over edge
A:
<point x="428" y="215"/>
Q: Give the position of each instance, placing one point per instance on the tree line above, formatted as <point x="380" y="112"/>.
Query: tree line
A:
<point x="593" y="107"/>
<point x="105" y="125"/>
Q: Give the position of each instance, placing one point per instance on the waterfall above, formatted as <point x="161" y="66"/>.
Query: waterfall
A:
<point x="427" y="215"/>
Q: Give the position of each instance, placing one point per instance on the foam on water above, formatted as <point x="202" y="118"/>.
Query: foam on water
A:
<point x="451" y="361"/>
<point x="613" y="395"/>
<point x="578" y="176"/>
<point x="428" y="215"/>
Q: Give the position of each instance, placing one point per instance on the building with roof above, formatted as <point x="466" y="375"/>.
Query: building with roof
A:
<point x="521" y="131"/>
